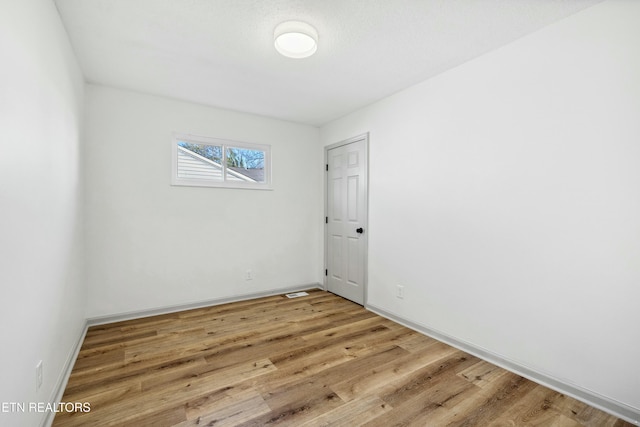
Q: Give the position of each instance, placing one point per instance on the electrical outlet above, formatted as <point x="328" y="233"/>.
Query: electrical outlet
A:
<point x="248" y="275"/>
<point x="39" y="375"/>
<point x="400" y="291"/>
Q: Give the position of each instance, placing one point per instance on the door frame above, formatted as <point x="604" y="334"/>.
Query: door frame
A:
<point x="365" y="275"/>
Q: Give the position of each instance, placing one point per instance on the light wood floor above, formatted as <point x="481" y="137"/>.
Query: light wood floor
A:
<point x="311" y="361"/>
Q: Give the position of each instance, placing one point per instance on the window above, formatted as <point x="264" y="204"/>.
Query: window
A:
<point x="210" y="162"/>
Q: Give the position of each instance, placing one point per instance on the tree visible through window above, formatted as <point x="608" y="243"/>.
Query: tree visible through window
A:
<point x="203" y="161"/>
<point x="211" y="152"/>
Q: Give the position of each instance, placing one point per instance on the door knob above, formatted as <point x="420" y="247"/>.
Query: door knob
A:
<point x="360" y="230"/>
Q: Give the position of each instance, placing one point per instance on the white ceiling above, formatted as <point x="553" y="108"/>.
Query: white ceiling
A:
<point x="220" y="52"/>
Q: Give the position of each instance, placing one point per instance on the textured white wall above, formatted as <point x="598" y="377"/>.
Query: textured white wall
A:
<point x="41" y="282"/>
<point x="515" y="223"/>
<point x="152" y="245"/>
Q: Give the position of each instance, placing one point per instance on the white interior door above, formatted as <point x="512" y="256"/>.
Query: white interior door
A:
<point x="346" y="222"/>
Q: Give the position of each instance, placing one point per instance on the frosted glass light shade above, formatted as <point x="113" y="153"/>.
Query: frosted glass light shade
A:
<point x="295" y="39"/>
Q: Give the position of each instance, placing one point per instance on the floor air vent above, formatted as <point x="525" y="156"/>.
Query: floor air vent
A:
<point x="296" y="294"/>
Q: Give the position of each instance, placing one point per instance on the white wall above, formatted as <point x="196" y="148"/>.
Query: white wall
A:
<point x="153" y="245"/>
<point x="515" y="225"/>
<point x="43" y="297"/>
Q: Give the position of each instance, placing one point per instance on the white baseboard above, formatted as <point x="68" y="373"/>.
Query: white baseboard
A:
<point x="589" y="397"/>
<point x="101" y="320"/>
<point x="63" y="378"/>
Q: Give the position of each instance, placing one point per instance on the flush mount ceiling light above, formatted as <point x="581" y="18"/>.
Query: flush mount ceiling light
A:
<point x="295" y="39"/>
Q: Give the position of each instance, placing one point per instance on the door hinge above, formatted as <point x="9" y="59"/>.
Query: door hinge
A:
<point x="326" y="167"/>
<point x="326" y="272"/>
<point x="326" y="220"/>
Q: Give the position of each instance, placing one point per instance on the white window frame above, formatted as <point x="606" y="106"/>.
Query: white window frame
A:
<point x="193" y="182"/>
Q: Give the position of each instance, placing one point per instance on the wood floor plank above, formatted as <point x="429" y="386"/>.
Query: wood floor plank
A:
<point x="482" y="373"/>
<point x="117" y="338"/>
<point x="383" y="376"/>
<point x="176" y="393"/>
<point x="356" y="412"/>
<point x="428" y="377"/>
<point x="328" y="373"/>
<point x="417" y="342"/>
<point x="297" y="404"/>
<point x="123" y="374"/>
<point x="299" y="355"/>
<point x="318" y="360"/>
<point x="100" y="359"/>
<point x="504" y="397"/>
<point x="229" y="410"/>
<point x="420" y="407"/>
<point x="534" y="409"/>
